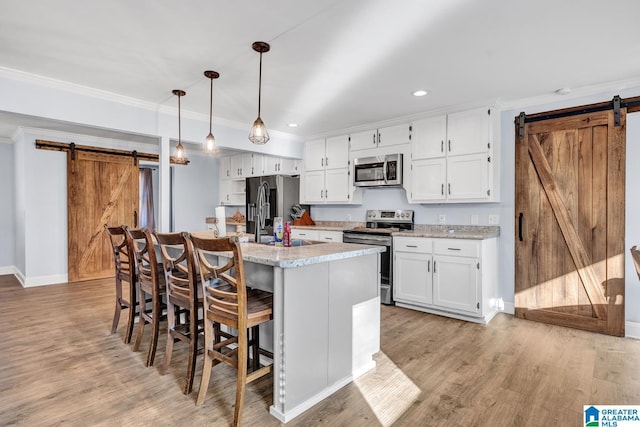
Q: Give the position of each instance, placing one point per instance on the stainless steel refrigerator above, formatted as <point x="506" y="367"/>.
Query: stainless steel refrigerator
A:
<point x="268" y="197"/>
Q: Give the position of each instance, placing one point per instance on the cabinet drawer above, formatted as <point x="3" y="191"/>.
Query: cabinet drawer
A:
<point x="412" y="244"/>
<point x="457" y="247"/>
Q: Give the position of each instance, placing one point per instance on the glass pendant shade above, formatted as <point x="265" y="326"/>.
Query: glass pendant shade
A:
<point x="259" y="134"/>
<point x="179" y="148"/>
<point x="209" y="145"/>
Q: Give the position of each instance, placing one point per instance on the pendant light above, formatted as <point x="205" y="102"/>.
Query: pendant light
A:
<point x="179" y="148"/>
<point x="209" y="146"/>
<point x="259" y="134"/>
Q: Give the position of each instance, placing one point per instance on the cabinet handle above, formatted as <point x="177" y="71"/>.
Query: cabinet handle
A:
<point x="454" y="249"/>
<point x="379" y="137"/>
<point x="442" y="189"/>
<point x="449" y="188"/>
<point x="325" y="193"/>
<point x="411" y="246"/>
<point x="322" y="161"/>
<point x="442" y="145"/>
<point x="252" y="170"/>
<point x="434" y="266"/>
<point x="321" y="194"/>
<point x="326" y="161"/>
<point x="374" y="139"/>
<point x="429" y="266"/>
<point x="449" y="145"/>
<point x="302" y="234"/>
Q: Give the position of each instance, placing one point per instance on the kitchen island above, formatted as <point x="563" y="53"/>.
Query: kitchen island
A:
<point x="326" y="317"/>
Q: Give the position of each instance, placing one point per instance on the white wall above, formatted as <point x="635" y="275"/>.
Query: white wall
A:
<point x="461" y="213"/>
<point x="7" y="208"/>
<point x="195" y="193"/>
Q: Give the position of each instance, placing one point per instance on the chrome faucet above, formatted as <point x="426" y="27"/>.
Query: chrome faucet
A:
<point x="263" y="208"/>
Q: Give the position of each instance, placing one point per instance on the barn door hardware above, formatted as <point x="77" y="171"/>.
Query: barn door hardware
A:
<point x="616" y="110"/>
<point x="72" y="150"/>
<point x="521" y="119"/>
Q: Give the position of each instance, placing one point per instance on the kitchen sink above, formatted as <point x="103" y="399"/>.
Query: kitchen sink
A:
<point x="294" y="242"/>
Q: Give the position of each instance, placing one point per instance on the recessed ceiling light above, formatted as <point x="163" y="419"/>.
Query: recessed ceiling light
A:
<point x="293" y="125"/>
<point x="420" y="92"/>
<point x="563" y="91"/>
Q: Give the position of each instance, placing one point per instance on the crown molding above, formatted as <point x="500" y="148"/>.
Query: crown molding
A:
<point x="65" y="86"/>
<point x="576" y="93"/>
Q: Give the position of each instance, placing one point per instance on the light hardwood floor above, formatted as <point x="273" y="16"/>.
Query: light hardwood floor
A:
<point x="60" y="366"/>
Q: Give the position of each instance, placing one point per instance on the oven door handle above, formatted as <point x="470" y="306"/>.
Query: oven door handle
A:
<point x="367" y="240"/>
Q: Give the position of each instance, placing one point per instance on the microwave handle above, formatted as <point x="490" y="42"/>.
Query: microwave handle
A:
<point x="384" y="170"/>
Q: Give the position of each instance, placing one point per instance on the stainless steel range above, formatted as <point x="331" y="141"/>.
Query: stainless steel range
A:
<point x="379" y="226"/>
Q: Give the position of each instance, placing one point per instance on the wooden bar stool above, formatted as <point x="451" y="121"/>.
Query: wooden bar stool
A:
<point x="124" y="272"/>
<point x="150" y="283"/>
<point x="184" y="298"/>
<point x="227" y="301"/>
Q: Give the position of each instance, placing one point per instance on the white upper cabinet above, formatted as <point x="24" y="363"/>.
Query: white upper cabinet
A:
<point x="394" y="135"/>
<point x="337" y="152"/>
<point x="326" y="176"/>
<point x="429" y="138"/>
<point x="364" y="140"/>
<point x="280" y="166"/>
<point x="452" y="159"/>
<point x="468" y="132"/>
<point x="313" y="156"/>
<point x="383" y="137"/>
<point x="225" y="167"/>
<point x="234" y="169"/>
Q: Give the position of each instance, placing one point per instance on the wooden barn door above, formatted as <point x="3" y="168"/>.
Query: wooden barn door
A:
<point x="569" y="243"/>
<point x="102" y="189"/>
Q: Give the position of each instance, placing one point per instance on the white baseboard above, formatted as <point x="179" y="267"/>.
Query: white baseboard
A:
<point x="29" y="282"/>
<point x="9" y="269"/>
<point x="632" y="330"/>
<point x="45" y="280"/>
<point x="509" y="308"/>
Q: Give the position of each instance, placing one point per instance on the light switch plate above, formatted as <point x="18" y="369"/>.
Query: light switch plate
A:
<point x="494" y="219"/>
<point x="442" y="219"/>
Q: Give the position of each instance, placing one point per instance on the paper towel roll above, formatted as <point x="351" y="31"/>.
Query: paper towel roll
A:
<point x="221" y="221"/>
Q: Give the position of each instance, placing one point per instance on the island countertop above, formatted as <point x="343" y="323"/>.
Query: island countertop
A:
<point x="297" y="256"/>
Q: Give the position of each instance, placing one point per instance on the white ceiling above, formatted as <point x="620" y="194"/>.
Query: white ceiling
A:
<point x="333" y="64"/>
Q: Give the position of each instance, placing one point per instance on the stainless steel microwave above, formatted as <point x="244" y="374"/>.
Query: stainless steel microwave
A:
<point x="378" y="171"/>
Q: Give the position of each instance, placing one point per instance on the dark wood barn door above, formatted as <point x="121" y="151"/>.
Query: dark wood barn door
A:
<point x="570" y="199"/>
<point x="102" y="189"/>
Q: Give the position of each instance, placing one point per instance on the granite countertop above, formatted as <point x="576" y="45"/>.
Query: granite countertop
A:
<point x="475" y="232"/>
<point x="298" y="256"/>
<point x="330" y="225"/>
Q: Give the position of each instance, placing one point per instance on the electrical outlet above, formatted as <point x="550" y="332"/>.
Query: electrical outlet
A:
<point x="348" y="217"/>
<point x="442" y="219"/>
<point x="474" y="219"/>
<point x="494" y="219"/>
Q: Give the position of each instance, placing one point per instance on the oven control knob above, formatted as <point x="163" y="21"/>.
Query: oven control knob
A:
<point x="402" y="215"/>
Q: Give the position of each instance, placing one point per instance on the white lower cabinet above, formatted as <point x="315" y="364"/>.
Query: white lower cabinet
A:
<point x="455" y="283"/>
<point x="451" y="277"/>
<point x="412" y="277"/>
<point x="322" y="235"/>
